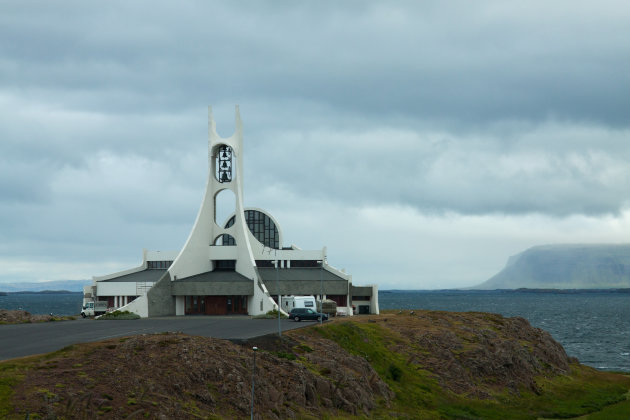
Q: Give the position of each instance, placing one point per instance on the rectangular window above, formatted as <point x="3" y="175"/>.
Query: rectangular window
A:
<point x="304" y="263"/>
<point x="264" y="263"/>
<point x="158" y="265"/>
<point x="228" y="265"/>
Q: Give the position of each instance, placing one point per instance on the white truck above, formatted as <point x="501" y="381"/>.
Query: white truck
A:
<point x="291" y="302"/>
<point x="94" y="308"/>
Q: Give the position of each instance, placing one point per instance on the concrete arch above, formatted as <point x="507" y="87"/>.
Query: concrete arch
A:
<point x="221" y="240"/>
<point x="224" y="204"/>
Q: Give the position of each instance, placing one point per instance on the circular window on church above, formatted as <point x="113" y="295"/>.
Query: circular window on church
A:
<point x="261" y="226"/>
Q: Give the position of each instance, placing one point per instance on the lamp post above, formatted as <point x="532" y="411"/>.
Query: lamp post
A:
<point x="253" y="381"/>
<point x="279" y="300"/>
<point x="321" y="291"/>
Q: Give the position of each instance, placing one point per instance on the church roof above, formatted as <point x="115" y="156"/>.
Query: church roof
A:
<point x="216" y="276"/>
<point x="138" y="277"/>
<point x="301" y="273"/>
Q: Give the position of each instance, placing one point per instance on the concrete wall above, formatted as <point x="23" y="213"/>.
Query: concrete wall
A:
<point x="112" y="288"/>
<point x="306" y="287"/>
<point x="374" y="308"/>
<point x="191" y="288"/>
<point x="361" y="290"/>
<point x="180" y="305"/>
<point x="160" y="300"/>
<point x="138" y="306"/>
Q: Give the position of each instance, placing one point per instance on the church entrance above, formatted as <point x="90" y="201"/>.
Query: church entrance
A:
<point x="216" y="305"/>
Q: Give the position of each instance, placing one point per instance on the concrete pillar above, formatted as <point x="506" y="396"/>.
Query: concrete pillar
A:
<point x="180" y="305"/>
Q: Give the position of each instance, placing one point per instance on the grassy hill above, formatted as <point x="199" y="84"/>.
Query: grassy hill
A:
<point x="421" y="364"/>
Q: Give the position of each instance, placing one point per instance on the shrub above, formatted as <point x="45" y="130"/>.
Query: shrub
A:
<point x="302" y="348"/>
<point x="270" y="315"/>
<point x="395" y="372"/>
<point x="285" y="355"/>
<point x="120" y="315"/>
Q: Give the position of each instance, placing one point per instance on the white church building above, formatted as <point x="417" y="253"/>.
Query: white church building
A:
<point x="234" y="266"/>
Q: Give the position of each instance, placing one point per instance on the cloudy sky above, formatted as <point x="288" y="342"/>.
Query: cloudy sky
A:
<point x="422" y="142"/>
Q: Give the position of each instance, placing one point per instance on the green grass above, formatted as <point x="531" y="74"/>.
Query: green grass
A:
<point x="418" y="394"/>
<point x="619" y="411"/>
<point x="285" y="355"/>
<point x="415" y="389"/>
<point x="9" y="378"/>
<point x="119" y="315"/>
<point x="12" y="373"/>
<point x="270" y="315"/>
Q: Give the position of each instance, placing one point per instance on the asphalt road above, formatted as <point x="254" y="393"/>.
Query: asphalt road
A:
<point x="18" y="340"/>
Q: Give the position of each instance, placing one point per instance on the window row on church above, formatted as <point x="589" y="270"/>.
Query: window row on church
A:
<point x="158" y="265"/>
<point x="291" y="263"/>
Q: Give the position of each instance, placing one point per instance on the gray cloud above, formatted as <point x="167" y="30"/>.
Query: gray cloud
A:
<point x="484" y="62"/>
<point x="486" y="109"/>
<point x="552" y="169"/>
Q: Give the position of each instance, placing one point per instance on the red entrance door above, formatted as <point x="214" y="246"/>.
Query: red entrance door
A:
<point x="216" y="305"/>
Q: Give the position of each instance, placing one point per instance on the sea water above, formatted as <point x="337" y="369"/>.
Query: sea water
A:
<point x="42" y="304"/>
<point x="592" y="326"/>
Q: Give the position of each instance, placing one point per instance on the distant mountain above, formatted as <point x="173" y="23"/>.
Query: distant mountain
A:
<point x="43" y="292"/>
<point x="70" y="285"/>
<point x="565" y="267"/>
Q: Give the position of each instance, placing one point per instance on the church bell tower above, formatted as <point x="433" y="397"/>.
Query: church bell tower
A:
<point x="206" y="250"/>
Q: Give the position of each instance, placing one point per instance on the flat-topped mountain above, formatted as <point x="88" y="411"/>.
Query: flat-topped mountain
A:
<point x="55" y="285"/>
<point x="565" y="267"/>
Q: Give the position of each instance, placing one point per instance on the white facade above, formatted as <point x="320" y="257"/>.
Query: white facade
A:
<point x="118" y="290"/>
<point x="225" y="266"/>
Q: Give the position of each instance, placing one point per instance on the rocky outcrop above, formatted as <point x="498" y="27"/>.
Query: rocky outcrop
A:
<point x="22" y="317"/>
<point x="413" y="364"/>
<point x="185" y="375"/>
<point x="478" y="353"/>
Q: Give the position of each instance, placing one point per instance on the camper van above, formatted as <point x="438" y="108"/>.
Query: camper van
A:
<point x="292" y="302"/>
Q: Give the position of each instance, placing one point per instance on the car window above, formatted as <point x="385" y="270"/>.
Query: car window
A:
<point x="310" y="311"/>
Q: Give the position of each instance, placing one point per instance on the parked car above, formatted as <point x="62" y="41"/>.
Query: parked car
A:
<point x="298" y="314"/>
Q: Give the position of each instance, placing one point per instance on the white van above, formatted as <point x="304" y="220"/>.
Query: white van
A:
<point x="291" y="302"/>
<point x="94" y="308"/>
